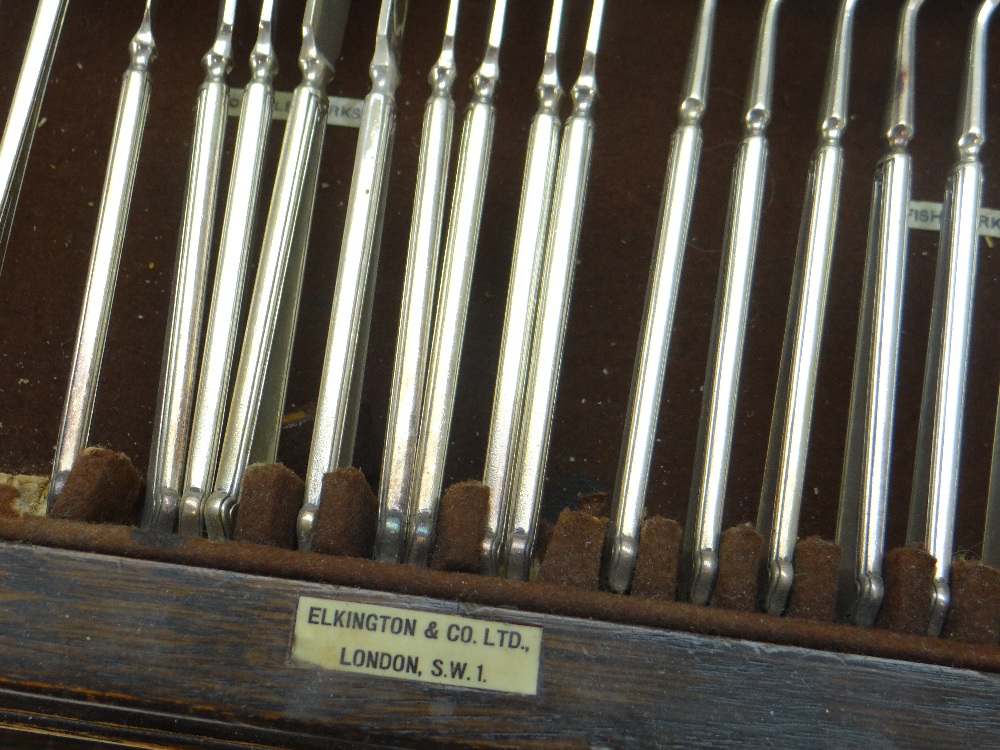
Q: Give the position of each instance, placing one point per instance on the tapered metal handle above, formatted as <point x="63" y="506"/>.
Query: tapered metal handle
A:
<point x="629" y="496"/>
<point x="522" y="297"/>
<point x="347" y="341"/>
<point x="865" y="477"/>
<point x="939" y="435"/>
<point x="22" y="117"/>
<point x="699" y="556"/>
<point x="133" y="105"/>
<point x="413" y="340"/>
<point x="271" y="409"/>
<point x="173" y="416"/>
<point x="784" y="471"/>
<point x="542" y="382"/>
<point x="227" y="294"/>
<point x="452" y="304"/>
<point x="791" y="421"/>
<point x="715" y="433"/>
<point x="519" y="319"/>
<point x="449" y="326"/>
<point x="864" y="485"/>
<point x="277" y="283"/>
<point x="253" y="424"/>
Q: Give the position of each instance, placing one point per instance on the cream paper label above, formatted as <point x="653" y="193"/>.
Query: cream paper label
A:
<point x="413" y="645"/>
<point x="343" y="111"/>
<point x="926" y="215"/>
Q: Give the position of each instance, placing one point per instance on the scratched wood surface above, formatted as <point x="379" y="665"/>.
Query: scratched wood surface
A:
<point x="170" y="656"/>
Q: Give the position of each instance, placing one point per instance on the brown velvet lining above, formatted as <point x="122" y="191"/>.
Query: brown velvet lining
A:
<point x="348" y="512"/>
<point x="909" y="590"/>
<point x="255" y="559"/>
<point x="461" y="521"/>
<point x="102" y="487"/>
<point x="974" y="615"/>
<point x="269" y="504"/>
<point x="740" y="551"/>
<point x="656" y="564"/>
<point x="814" y="589"/>
<point x="573" y="557"/>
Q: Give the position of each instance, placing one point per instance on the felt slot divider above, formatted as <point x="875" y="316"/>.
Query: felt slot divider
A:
<point x="269" y="504"/>
<point x="460" y="526"/>
<point x="348" y="512"/>
<point x="573" y="557"/>
<point x="909" y="589"/>
<point x="814" y="589"/>
<point x="741" y="549"/>
<point x="655" y="574"/>
<point x="102" y="487"/>
<point x="974" y="616"/>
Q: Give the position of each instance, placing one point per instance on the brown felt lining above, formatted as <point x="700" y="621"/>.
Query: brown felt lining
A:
<point x="814" y="588"/>
<point x="102" y="487"/>
<point x="974" y="615"/>
<point x="269" y="504"/>
<point x="347" y="514"/>
<point x="909" y="590"/>
<point x="656" y="564"/>
<point x="740" y="552"/>
<point x="460" y="525"/>
<point x="255" y="559"/>
<point x="573" y="555"/>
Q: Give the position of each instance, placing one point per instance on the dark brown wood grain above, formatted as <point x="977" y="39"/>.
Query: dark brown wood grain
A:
<point x="205" y="654"/>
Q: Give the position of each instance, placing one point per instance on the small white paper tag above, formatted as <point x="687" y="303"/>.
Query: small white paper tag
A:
<point x="413" y="645"/>
<point x="343" y="111"/>
<point x="926" y="215"/>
